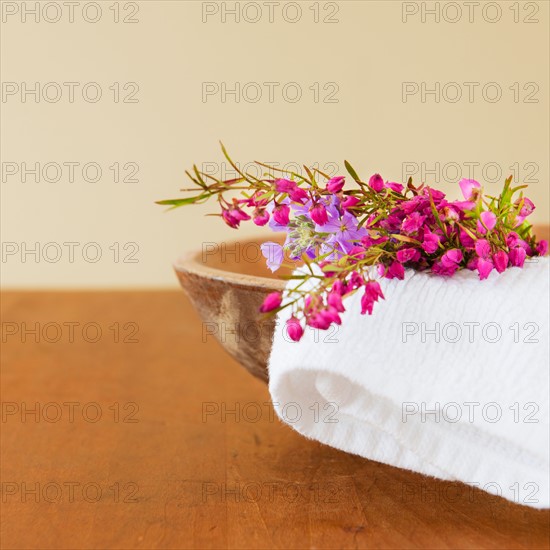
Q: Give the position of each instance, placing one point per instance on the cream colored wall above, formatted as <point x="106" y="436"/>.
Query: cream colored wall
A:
<point x="369" y="51"/>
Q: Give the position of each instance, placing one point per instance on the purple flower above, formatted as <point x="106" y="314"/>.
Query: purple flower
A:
<point x="335" y="185"/>
<point x="376" y="183"/>
<point x="273" y="253"/>
<point x="344" y="231"/>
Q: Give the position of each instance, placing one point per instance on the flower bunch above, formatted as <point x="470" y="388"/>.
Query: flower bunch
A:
<point x="371" y="230"/>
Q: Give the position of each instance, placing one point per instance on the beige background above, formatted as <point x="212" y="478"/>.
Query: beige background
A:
<point x="170" y="52"/>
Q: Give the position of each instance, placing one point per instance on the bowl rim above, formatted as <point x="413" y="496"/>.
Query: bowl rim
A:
<point x="190" y="263"/>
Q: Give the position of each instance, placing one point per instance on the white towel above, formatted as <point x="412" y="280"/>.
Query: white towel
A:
<point x="475" y="352"/>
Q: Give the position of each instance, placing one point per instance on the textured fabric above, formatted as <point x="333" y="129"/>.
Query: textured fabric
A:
<point x="448" y="377"/>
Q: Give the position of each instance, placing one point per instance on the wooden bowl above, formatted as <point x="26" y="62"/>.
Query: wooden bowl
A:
<point x="226" y="284"/>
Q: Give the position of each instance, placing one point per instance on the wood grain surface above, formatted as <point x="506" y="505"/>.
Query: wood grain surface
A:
<point x="135" y="445"/>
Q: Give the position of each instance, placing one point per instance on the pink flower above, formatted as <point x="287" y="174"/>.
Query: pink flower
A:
<point x="334" y="299"/>
<point x="294" y="329"/>
<point x="356" y="253"/>
<point x="331" y="315"/>
<point x="298" y="195"/>
<point x="444" y="270"/>
<point x="234" y="216"/>
<point x="335" y="185"/>
<point x="450" y="213"/>
<point x="517" y="256"/>
<point x="542" y="247"/>
<point x="261" y="217"/>
<point x="431" y="242"/>
<point x="285" y="186"/>
<point x="463" y="205"/>
<point x="483" y="248"/>
<point x="412" y="223"/>
<point x="338" y="287"/>
<point x="272" y="301"/>
<point x="397" y="187"/>
<point x="487" y="222"/>
<point x="484" y="267"/>
<point x="395" y="271"/>
<point x="408" y="255"/>
<point x="527" y="207"/>
<point x="281" y="214"/>
<point x="376" y="183"/>
<point x="452" y="258"/>
<point x="230" y="219"/>
<point x="350" y="201"/>
<point x="500" y="260"/>
<point x="318" y="214"/>
<point x="369" y="241"/>
<point x="371" y="295"/>
<point x="465" y="240"/>
<point x="470" y="189"/>
<point x="356" y="280"/>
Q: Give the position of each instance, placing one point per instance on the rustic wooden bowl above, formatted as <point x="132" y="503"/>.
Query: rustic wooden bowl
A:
<point x="226" y="284"/>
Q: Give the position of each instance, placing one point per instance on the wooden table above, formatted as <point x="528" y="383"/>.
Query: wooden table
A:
<point x="168" y="465"/>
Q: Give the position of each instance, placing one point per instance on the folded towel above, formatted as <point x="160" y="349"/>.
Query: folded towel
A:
<point x="448" y="377"/>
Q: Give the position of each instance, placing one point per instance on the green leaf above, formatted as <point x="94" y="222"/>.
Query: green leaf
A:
<point x="175" y="203"/>
<point x="352" y="172"/>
